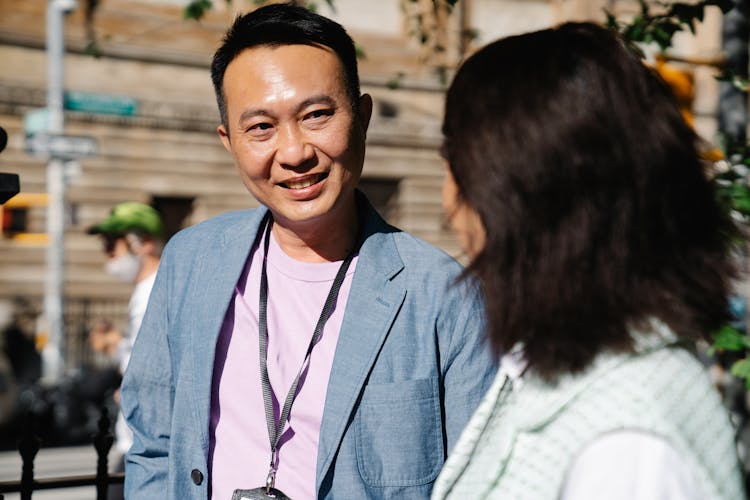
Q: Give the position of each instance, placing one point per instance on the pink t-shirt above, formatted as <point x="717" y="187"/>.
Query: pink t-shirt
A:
<point x="239" y="449"/>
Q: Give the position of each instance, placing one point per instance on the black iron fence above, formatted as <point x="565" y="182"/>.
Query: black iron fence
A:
<point x="79" y="315"/>
<point x="28" y="447"/>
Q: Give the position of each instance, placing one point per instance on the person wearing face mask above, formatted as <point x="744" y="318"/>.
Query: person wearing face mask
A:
<point x="132" y="237"/>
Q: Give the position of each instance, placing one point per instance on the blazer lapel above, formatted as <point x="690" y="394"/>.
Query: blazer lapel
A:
<point x="373" y="303"/>
<point x="217" y="273"/>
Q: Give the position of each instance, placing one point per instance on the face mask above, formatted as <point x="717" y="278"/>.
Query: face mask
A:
<point x="124" y="267"/>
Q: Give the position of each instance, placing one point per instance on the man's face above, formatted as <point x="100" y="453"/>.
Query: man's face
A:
<point x="125" y="255"/>
<point x="292" y="130"/>
<point x="114" y="246"/>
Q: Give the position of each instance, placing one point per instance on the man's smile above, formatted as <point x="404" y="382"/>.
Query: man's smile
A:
<point x="303" y="182"/>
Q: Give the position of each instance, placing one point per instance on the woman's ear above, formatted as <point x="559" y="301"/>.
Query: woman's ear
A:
<point x="464" y="219"/>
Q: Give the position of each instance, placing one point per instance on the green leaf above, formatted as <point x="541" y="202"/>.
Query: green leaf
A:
<point x="196" y="9"/>
<point x="663" y="36"/>
<point x="741" y="83"/>
<point x="741" y="369"/>
<point x="666" y="30"/>
<point x="92" y="49"/>
<point x="611" y="21"/>
<point x="644" y="7"/>
<point x="394" y="82"/>
<point x="687" y="12"/>
<point x="660" y="28"/>
<point x="360" y="51"/>
<point x="729" y="339"/>
<point x="636" y="31"/>
<point x="741" y="204"/>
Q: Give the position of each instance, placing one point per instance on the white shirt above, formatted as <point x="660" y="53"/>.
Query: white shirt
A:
<point x="623" y="465"/>
<point x="136" y="311"/>
<point x="630" y="465"/>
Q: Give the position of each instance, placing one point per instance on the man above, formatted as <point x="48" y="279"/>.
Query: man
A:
<point x="239" y="385"/>
<point x="132" y="237"/>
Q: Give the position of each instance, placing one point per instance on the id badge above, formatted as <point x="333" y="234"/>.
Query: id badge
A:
<point x="258" y="494"/>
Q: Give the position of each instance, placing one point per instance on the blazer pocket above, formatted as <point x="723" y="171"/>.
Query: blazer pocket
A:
<point x="399" y="436"/>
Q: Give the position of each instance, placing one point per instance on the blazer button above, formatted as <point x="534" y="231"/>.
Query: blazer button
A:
<point x="196" y="476"/>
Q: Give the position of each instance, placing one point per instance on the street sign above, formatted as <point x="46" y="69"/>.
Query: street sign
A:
<point x="36" y="121"/>
<point x="106" y="104"/>
<point x="62" y="146"/>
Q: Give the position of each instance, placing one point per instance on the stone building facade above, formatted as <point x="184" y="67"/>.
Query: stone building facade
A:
<point x="166" y="151"/>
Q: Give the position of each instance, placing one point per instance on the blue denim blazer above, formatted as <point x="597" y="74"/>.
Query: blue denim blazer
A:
<point x="409" y="369"/>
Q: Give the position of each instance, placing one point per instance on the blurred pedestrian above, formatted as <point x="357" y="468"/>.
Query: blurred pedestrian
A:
<point x="105" y="339"/>
<point x="100" y="380"/>
<point x="20" y="344"/>
<point x="132" y="238"/>
<point x="575" y="186"/>
<point x="306" y="346"/>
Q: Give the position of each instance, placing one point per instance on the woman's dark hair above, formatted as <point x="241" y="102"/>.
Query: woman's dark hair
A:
<point x="284" y="24"/>
<point x="597" y="210"/>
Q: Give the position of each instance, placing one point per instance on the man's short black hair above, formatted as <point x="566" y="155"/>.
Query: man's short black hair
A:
<point x="284" y="24"/>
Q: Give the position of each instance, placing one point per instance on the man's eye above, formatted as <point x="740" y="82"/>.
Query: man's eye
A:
<point x="260" y="126"/>
<point x="318" y="114"/>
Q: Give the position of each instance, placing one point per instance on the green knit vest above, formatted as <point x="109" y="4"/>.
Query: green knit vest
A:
<point x="520" y="443"/>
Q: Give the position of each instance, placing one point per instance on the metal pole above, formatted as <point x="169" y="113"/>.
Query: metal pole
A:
<point x="52" y="355"/>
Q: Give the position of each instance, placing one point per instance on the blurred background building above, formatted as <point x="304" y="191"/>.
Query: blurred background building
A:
<point x="136" y="80"/>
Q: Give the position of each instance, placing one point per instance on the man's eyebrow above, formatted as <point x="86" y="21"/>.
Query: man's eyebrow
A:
<point x="252" y="113"/>
<point x="317" y="99"/>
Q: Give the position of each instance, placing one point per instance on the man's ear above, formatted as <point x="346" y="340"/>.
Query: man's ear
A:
<point x="136" y="244"/>
<point x="365" y="111"/>
<point x="148" y="246"/>
<point x="224" y="136"/>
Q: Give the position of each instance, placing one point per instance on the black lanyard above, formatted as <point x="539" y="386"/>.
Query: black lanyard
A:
<point x="274" y="428"/>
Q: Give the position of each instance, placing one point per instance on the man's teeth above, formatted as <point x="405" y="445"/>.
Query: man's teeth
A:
<point x="301" y="184"/>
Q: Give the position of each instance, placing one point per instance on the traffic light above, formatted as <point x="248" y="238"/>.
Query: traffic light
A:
<point x="15" y="221"/>
<point x="16" y="217"/>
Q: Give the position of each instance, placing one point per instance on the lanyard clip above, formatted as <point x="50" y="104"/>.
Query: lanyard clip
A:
<point x="271" y="478"/>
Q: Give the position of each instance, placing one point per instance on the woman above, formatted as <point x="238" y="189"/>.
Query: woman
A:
<point x="575" y="188"/>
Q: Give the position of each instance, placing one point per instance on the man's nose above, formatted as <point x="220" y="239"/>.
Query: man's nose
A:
<point x="293" y="148"/>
